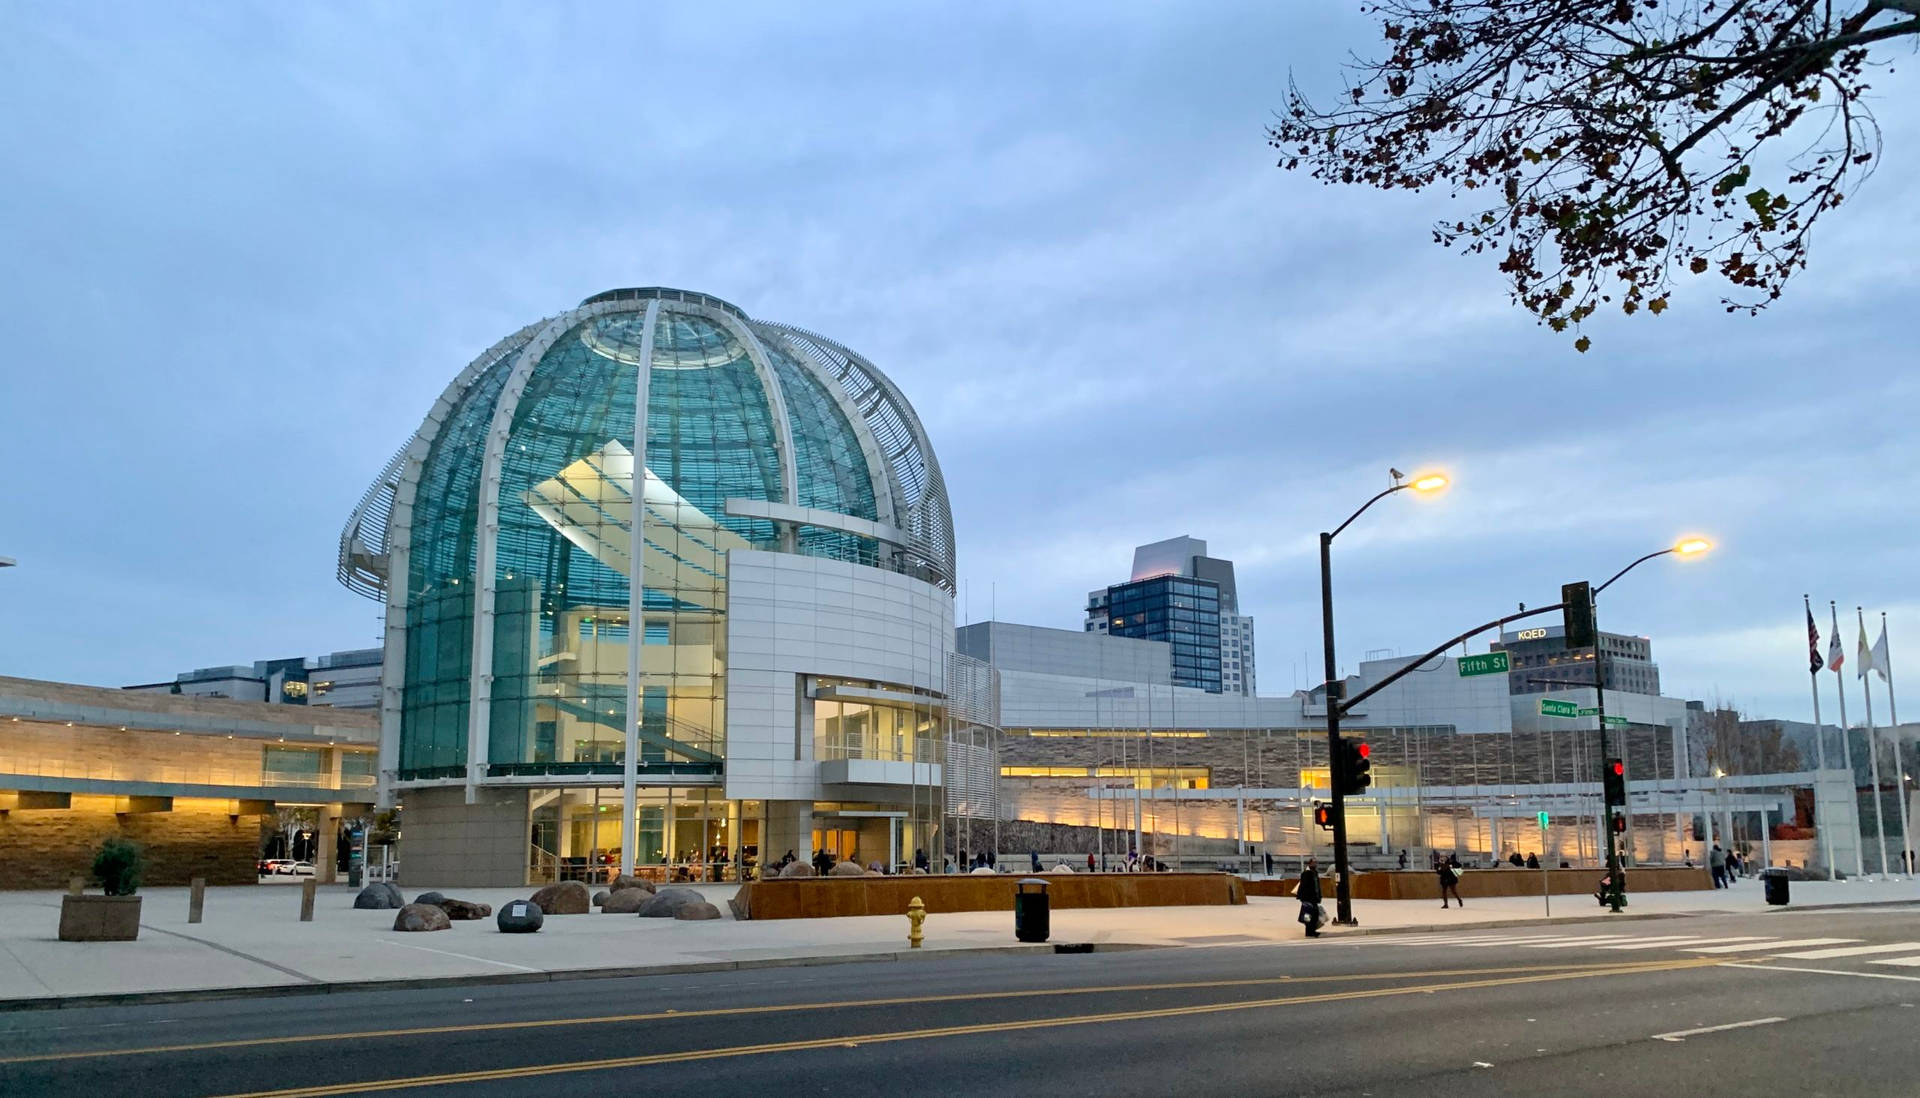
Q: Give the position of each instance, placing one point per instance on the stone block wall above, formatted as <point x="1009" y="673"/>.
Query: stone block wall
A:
<point x="42" y="848"/>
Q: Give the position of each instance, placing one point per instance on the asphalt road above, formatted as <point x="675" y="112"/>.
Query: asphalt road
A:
<point x="1615" y="1009"/>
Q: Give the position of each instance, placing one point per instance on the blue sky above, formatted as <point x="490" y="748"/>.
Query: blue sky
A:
<point x="247" y="247"/>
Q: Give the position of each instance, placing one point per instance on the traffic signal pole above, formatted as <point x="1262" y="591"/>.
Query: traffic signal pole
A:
<point x="1343" y="872"/>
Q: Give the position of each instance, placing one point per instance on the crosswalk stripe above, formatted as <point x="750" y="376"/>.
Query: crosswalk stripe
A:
<point x="1579" y="942"/>
<point x="1751" y="947"/>
<point x="1677" y="942"/>
<point x="1904" y="962"/>
<point x="1854" y="951"/>
<point x="1520" y="940"/>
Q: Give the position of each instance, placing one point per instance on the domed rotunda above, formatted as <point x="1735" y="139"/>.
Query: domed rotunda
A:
<point x="782" y="675"/>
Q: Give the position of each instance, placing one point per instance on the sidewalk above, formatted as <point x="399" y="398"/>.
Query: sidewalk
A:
<point x="252" y="937"/>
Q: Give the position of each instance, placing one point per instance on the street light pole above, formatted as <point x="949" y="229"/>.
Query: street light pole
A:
<point x="1616" y="880"/>
<point x="1343" y="872"/>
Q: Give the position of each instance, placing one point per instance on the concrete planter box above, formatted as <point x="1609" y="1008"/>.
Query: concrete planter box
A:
<point x="99" y="918"/>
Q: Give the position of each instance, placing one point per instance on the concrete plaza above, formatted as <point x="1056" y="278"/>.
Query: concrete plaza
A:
<point x="251" y="937"/>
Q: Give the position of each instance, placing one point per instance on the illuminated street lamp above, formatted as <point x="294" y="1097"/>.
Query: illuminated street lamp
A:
<point x="1424" y="484"/>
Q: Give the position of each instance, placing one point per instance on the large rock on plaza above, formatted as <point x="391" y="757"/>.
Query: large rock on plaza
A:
<point x="696" y="912"/>
<point x="797" y="869"/>
<point x="625" y="902"/>
<point x="379" y="896"/>
<point x="565" y="898"/>
<point x="519" y="917"/>
<point x="667" y="903"/>
<point x="624" y="882"/>
<point x="421" y="917"/>
<point x="846" y="869"/>
<point x="464" y="910"/>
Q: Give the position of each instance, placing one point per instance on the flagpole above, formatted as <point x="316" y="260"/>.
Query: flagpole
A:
<point x="1846" y="741"/>
<point x="1885" y="664"/>
<point x="1819" y="739"/>
<point x="1873" y="742"/>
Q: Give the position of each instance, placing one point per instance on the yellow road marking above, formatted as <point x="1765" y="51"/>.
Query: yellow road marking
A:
<point x="722" y="1012"/>
<point x="849" y="1040"/>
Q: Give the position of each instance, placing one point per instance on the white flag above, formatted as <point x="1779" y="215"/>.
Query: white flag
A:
<point x="1863" y="655"/>
<point x="1879" y="653"/>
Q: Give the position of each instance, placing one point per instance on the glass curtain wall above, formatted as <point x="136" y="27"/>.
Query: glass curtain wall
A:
<point x="562" y="623"/>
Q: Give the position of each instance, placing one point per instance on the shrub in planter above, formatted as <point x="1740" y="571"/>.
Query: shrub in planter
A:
<point x="114" y="917"/>
<point x="117" y="865"/>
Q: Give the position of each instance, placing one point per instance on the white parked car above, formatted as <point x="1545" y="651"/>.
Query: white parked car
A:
<point x="300" y="869"/>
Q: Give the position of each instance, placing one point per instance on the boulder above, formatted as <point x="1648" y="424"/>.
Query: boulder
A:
<point x="666" y="903"/>
<point x="433" y="898"/>
<point x="797" y="869"/>
<point x="565" y="898"/>
<point x="421" y="917"/>
<point x="1061" y="867"/>
<point x="600" y="898"/>
<point x="463" y="910"/>
<point x="624" y="882"/>
<point x="983" y="871"/>
<point x="519" y="917"/>
<point x="846" y="869"/>
<point x="697" y="911"/>
<point x="379" y="896"/>
<point x="626" y="901"/>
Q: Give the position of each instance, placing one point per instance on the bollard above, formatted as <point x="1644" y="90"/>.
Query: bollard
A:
<point x="916" y="914"/>
<point x="306" y="900"/>
<point x="76" y="885"/>
<point x="196" y="899"/>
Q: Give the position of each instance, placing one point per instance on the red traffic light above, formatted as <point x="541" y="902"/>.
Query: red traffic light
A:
<point x="1619" y="768"/>
<point x="1619" y="825"/>
<point x="1365" y="750"/>
<point x="1323" y="815"/>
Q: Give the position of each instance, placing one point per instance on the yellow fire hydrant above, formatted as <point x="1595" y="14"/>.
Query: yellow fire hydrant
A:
<point x="916" y="914"/>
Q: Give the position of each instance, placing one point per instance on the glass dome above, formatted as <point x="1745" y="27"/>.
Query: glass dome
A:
<point x="502" y="536"/>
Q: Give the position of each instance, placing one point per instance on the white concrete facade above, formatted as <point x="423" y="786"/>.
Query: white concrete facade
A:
<point x="790" y="618"/>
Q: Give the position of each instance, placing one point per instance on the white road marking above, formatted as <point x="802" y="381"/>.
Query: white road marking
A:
<point x="1676" y="943"/>
<point x="1822" y="971"/>
<point x="1579" y="942"/>
<point x="1904" y="962"/>
<point x="1857" y="951"/>
<point x="1682" y="1034"/>
<point x="465" y="957"/>
<point x="1794" y="943"/>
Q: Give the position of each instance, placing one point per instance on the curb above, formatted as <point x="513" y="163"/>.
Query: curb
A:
<point x="1608" y="917"/>
<point x="348" y="987"/>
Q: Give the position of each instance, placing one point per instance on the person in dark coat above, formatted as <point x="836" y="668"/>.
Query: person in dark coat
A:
<point x="1449" y="873"/>
<point x="1308" y="893"/>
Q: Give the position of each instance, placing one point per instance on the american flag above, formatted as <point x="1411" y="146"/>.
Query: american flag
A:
<point x="1814" y="662"/>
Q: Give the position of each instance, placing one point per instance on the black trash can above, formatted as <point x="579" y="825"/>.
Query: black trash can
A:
<point x="1032" y="912"/>
<point x="1775" y="883"/>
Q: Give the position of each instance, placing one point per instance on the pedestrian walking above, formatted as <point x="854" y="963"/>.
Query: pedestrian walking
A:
<point x="1403" y="859"/>
<point x="1269" y="863"/>
<point x="1089" y="861"/>
<point x="1449" y="875"/>
<point x="1035" y="855"/>
<point x="1312" y="915"/>
<point x="1717" y="864"/>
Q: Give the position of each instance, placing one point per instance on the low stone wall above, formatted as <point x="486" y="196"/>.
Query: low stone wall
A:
<point x="832" y="897"/>
<point x="1424" y="884"/>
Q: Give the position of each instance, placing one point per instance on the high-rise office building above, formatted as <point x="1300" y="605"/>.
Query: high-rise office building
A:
<point x="1543" y="662"/>
<point x="1181" y="595"/>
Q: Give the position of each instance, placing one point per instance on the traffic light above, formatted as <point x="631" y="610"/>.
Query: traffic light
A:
<point x="1614" y="781"/>
<point x="1355" y="773"/>
<point x="1576" y="614"/>
<point x="1323" y="815"/>
<point x="1619" y="823"/>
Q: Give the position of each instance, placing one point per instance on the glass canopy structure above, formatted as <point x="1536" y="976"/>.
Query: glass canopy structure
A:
<point x="646" y="434"/>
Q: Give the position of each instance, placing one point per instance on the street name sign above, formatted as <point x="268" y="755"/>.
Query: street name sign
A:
<point x="1489" y="663"/>
<point x="1553" y="707"/>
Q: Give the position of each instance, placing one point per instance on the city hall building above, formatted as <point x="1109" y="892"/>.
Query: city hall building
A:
<point x="667" y="586"/>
